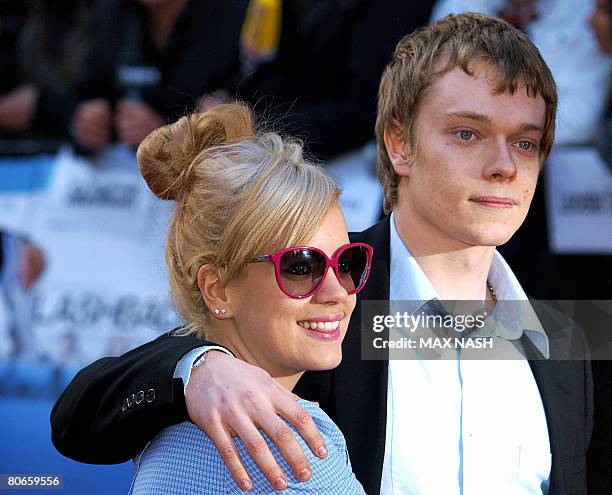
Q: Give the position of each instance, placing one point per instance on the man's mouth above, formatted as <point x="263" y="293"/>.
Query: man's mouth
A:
<point x="494" y="201"/>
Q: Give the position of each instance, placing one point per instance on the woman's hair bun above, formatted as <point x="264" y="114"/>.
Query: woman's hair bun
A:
<point x="166" y="157"/>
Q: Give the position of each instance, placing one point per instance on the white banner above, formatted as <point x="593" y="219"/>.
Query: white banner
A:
<point x="579" y="202"/>
<point x="104" y="289"/>
<point x="362" y="194"/>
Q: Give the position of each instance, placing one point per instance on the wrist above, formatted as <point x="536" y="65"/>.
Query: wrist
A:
<point x="201" y="360"/>
<point x="186" y="364"/>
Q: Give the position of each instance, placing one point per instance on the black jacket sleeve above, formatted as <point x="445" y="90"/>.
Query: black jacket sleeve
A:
<point x="114" y="406"/>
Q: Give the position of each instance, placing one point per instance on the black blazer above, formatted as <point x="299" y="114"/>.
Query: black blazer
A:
<point x="88" y="423"/>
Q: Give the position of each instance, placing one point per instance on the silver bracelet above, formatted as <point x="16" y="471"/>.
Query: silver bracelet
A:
<point x="201" y="359"/>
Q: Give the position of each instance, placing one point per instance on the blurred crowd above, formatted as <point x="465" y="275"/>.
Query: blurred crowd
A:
<point x="93" y="72"/>
<point x="96" y="71"/>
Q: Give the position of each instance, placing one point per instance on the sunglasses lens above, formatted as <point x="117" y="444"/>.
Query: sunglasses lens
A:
<point x="353" y="268"/>
<point x="301" y="270"/>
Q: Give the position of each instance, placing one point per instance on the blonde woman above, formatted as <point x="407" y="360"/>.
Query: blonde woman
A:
<point x="259" y="262"/>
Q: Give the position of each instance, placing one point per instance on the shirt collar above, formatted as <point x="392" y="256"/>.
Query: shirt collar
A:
<point x="408" y="282"/>
<point x="514" y="312"/>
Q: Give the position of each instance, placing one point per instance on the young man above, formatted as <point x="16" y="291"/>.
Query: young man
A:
<point x="465" y="121"/>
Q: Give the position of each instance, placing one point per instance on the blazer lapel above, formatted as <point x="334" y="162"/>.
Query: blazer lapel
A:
<point x="552" y="377"/>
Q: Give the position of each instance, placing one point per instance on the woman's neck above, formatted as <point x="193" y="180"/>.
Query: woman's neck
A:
<point x="232" y="341"/>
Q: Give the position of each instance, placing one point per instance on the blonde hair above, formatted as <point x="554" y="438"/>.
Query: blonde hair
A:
<point x="240" y="193"/>
<point x="456" y="41"/>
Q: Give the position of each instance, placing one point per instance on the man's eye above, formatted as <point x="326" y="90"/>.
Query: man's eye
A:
<point x="466" y="135"/>
<point x="525" y="145"/>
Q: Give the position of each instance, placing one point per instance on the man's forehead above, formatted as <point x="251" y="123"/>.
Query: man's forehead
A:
<point x="478" y="71"/>
<point x="487" y="119"/>
<point x="476" y="95"/>
<point x="478" y="68"/>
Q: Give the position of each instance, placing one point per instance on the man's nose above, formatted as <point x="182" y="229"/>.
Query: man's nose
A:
<point x="500" y="163"/>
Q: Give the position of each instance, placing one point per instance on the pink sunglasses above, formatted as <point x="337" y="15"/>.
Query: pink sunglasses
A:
<point x="300" y="271"/>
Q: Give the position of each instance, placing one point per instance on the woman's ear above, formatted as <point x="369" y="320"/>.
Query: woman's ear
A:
<point x="398" y="149"/>
<point x="213" y="291"/>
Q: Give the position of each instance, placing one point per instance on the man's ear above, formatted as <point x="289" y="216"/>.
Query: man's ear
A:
<point x="398" y="149"/>
<point x="213" y="291"/>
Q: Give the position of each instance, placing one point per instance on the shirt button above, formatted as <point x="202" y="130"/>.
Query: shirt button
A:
<point x="150" y="395"/>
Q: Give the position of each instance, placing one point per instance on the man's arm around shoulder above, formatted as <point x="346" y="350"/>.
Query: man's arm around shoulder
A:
<point x="114" y="406"/>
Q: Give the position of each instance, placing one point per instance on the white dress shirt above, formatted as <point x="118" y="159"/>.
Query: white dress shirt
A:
<point x="457" y="426"/>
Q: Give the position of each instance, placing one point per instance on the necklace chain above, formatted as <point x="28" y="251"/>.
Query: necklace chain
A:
<point x="492" y="290"/>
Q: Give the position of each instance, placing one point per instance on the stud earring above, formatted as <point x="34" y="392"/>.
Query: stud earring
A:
<point x="220" y="311"/>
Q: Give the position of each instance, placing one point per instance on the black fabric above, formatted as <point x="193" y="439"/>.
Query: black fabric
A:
<point x="600" y="452"/>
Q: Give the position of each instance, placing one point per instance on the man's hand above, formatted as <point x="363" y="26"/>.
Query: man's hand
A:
<point x="134" y="120"/>
<point x="92" y="124"/>
<point x="227" y="397"/>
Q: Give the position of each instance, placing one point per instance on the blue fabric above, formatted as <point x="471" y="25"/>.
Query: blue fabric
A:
<point x="183" y="460"/>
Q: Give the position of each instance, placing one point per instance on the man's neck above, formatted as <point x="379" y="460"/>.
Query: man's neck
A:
<point x="458" y="271"/>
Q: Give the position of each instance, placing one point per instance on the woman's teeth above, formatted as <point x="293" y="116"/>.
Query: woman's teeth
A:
<point x="322" y="326"/>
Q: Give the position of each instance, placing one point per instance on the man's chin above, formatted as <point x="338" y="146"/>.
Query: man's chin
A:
<point x="493" y="236"/>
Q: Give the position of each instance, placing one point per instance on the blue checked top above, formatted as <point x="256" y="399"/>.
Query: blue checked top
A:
<point x="182" y="460"/>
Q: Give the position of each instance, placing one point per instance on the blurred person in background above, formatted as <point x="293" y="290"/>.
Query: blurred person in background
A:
<point x="600" y="21"/>
<point x="12" y="17"/>
<point x="151" y="60"/>
<point x="44" y="47"/>
<point x="21" y="265"/>
<point x="313" y="67"/>
<point x="601" y="24"/>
